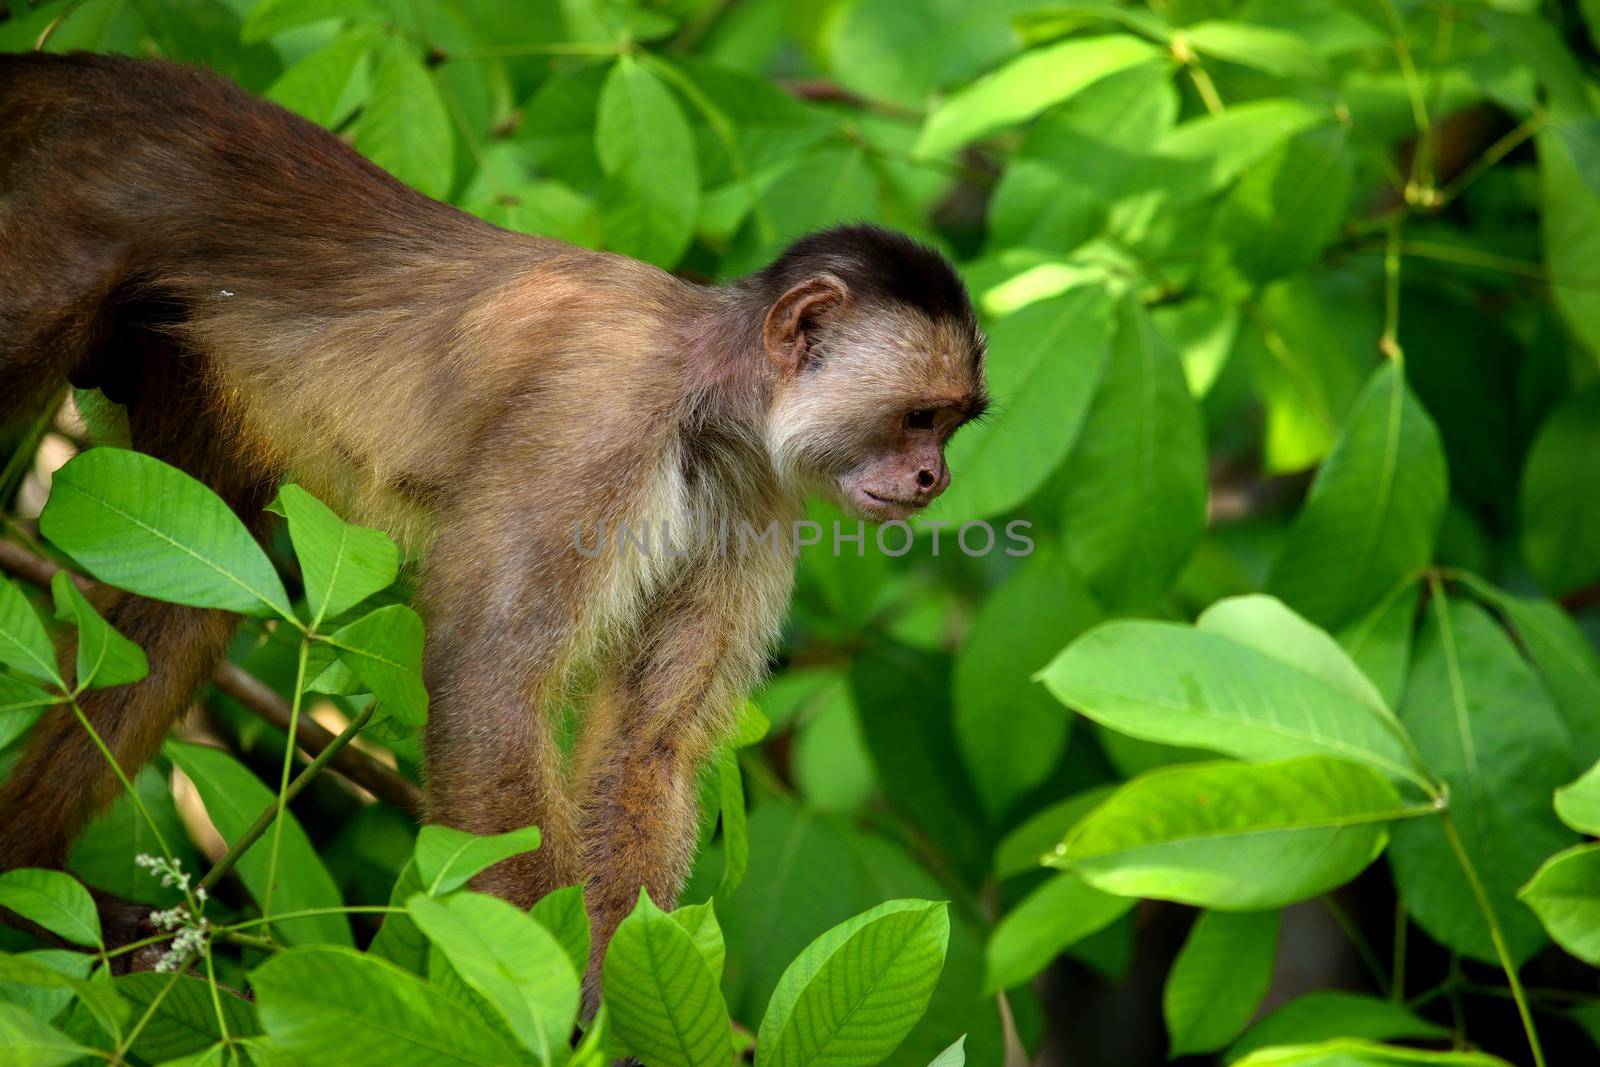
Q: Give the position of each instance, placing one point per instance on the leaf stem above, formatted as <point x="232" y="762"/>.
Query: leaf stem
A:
<point x="288" y="765"/>
<point x="1397" y="971"/>
<point x="1363" y="947"/>
<point x="1495" y="935"/>
<point x="270" y="814"/>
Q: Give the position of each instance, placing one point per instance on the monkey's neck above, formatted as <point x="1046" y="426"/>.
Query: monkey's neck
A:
<point x="730" y="383"/>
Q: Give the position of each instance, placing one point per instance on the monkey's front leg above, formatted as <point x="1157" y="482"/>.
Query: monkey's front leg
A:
<point x="671" y="702"/>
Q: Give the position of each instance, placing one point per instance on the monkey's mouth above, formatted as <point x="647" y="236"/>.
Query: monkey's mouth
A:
<point x="881" y="508"/>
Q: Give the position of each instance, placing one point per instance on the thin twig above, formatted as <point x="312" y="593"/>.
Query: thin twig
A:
<point x="269" y="815"/>
<point x="256" y="697"/>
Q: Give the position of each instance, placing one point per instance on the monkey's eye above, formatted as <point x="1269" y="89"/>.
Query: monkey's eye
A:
<point x="920" y="419"/>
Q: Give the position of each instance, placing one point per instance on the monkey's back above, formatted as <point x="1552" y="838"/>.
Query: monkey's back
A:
<point x="366" y="327"/>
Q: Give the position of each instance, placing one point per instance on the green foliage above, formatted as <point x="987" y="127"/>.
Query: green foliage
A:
<point x="1219" y="978"/>
<point x="1294" y="336"/>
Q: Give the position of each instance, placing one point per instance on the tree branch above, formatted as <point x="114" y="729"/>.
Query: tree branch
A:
<point x="257" y="698"/>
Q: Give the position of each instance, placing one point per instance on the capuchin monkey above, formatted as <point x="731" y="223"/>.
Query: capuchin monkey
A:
<point x="269" y="305"/>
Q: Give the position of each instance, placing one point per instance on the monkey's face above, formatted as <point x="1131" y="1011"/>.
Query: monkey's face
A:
<point x="878" y="393"/>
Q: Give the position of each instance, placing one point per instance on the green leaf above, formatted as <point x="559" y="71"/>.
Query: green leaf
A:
<point x="398" y="940"/>
<point x="18" y="696"/>
<point x="1565" y="658"/>
<point x="1380" y="642"/>
<point x="234" y="798"/>
<point x="1373" y="511"/>
<point x="1235" y="836"/>
<point x="1178" y="685"/>
<point x="1267" y="625"/>
<point x="182" y="1018"/>
<point x="1569" y="219"/>
<point x="1082" y="162"/>
<point x="646" y="149"/>
<point x="1026" y="86"/>
<point x="55" y="901"/>
<point x="31" y="1043"/>
<point x="662" y="997"/>
<point x="1306" y="368"/>
<point x="138" y="524"/>
<point x="1207" y="152"/>
<point x="448" y="858"/>
<point x="558" y="125"/>
<point x="405" y="128"/>
<point x="1287" y="207"/>
<point x="384" y="649"/>
<point x="735" y="832"/>
<point x="902" y="700"/>
<point x="105" y="657"/>
<point x="700" y="921"/>
<point x="375" y="1014"/>
<point x="1353" y="1052"/>
<point x="1578" y="804"/>
<point x="561" y="912"/>
<point x="100" y="856"/>
<point x="1135" y="504"/>
<point x="511" y="960"/>
<point x="342" y="563"/>
<point x="50" y="981"/>
<point x="272" y="17"/>
<point x="1023" y="849"/>
<point x="1060" y="913"/>
<point x="1046" y="358"/>
<point x="1319" y="1016"/>
<point x="866" y="45"/>
<point x="1565" y="893"/>
<point x="41" y="981"/>
<point x="1262" y="47"/>
<point x="1560" y="508"/>
<point x="24" y="645"/>
<point x="857" y="990"/>
<point x="328" y="84"/>
<point x="1219" y="979"/>
<point x="1486" y="727"/>
<point x="1010" y="730"/>
<point x="954" y="1056"/>
<point x="768" y="125"/>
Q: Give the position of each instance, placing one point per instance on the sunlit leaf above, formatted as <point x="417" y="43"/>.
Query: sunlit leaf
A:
<point x="1026" y="86"/>
<point x="105" y="657"/>
<point x="375" y="1014"/>
<point x="136" y="523"/>
<point x="662" y="998"/>
<point x="511" y="960"/>
<point x="54" y="900"/>
<point x="1235" y="836"/>
<point x="1565" y="893"/>
<point x="857" y="990"/>
<point x="448" y="858"/>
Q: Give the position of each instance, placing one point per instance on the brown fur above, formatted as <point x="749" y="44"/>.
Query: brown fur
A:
<point x="268" y="303"/>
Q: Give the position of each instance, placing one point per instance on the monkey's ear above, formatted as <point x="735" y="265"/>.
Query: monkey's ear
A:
<point x="792" y="314"/>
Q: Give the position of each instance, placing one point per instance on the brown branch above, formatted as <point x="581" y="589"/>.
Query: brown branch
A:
<point x="257" y="698"/>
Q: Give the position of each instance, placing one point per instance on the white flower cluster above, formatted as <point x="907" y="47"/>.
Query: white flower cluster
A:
<point x="192" y="930"/>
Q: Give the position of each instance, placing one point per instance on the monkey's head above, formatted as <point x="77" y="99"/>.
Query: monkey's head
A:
<point x="879" y="360"/>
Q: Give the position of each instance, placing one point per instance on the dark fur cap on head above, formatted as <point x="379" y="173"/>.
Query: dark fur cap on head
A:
<point x="878" y="266"/>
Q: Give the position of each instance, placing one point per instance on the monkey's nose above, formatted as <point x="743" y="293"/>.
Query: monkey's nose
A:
<point x="925" y="479"/>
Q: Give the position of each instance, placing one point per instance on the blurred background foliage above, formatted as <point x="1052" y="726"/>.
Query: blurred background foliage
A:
<point x="1196" y="230"/>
